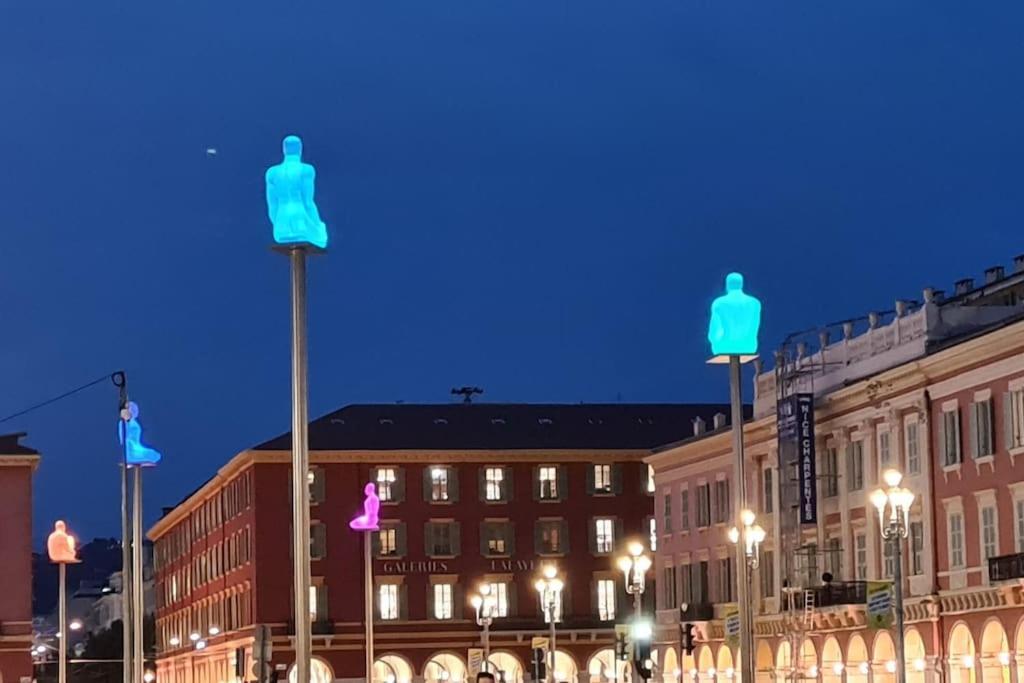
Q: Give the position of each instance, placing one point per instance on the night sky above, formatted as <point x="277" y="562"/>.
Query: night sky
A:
<point x="539" y="197"/>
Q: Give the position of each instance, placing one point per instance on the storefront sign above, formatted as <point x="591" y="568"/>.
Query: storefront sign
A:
<point x="879" y="610"/>
<point x="422" y="567"/>
<point x="732" y="625"/>
<point x="808" y="469"/>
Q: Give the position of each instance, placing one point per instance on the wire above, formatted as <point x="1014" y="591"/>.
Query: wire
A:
<point x="104" y="378"/>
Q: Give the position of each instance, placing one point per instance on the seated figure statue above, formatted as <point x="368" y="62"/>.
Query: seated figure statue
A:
<point x="129" y="433"/>
<point x="735" y="319"/>
<point x="371" y="509"/>
<point x="61" y="545"/>
<point x="290" y="199"/>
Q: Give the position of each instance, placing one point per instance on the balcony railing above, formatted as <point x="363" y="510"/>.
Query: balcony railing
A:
<point x="1006" y="567"/>
<point x="697" y="611"/>
<point x="832" y="594"/>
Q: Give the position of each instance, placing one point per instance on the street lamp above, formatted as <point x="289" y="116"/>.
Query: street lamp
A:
<point x="549" y="587"/>
<point x="752" y="536"/>
<point x="634" y="568"/>
<point x="893" y="505"/>
<point x="486" y="606"/>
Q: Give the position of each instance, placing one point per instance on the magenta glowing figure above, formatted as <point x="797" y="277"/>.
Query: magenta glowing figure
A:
<point x="371" y="507"/>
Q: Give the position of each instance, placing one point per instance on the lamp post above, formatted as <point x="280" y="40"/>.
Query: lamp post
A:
<point x="368" y="523"/>
<point x="634" y="568"/>
<point x="486" y="606"/>
<point x="752" y="536"/>
<point x="893" y="505"/>
<point x="549" y="587"/>
<point x="61" y="547"/>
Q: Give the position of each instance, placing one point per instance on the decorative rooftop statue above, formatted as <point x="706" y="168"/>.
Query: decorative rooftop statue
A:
<point x="290" y="199"/>
<point x="371" y="507"/>
<point x="735" y="319"/>
<point x="61" y="545"/>
<point x="129" y="429"/>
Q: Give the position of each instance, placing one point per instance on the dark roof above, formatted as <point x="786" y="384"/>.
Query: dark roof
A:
<point x="10" y="444"/>
<point x="483" y="426"/>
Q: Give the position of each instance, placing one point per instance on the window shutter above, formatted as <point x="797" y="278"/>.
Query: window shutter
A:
<point x="563" y="482"/>
<point x="481" y="483"/>
<point x="430" y="602"/>
<point x="592" y="535"/>
<point x="319" y="541"/>
<point x="538" y="539"/>
<point x="375" y="540"/>
<point x="563" y="538"/>
<point x="428" y="538"/>
<point x="484" y="537"/>
<point x="509" y="529"/>
<point x="513" y="599"/>
<point x="453" y="484"/>
<point x="321" y="604"/>
<point x="403" y="602"/>
<point x="398" y="487"/>
<point x="973" y="428"/>
<point x="943" y="457"/>
<point x="535" y="482"/>
<point x="427" y="484"/>
<point x="458" y="602"/>
<point x="319" y="485"/>
<point x="645" y="478"/>
<point x="1008" y="421"/>
<point x="617" y="478"/>
<point x="590" y="479"/>
<point x="620" y="535"/>
<point x="400" y="546"/>
<point x="959" y="442"/>
<point x="456" y="534"/>
<point x="509" y="488"/>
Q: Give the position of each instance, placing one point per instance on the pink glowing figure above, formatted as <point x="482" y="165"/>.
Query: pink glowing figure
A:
<point x="61" y="545"/>
<point x="371" y="507"/>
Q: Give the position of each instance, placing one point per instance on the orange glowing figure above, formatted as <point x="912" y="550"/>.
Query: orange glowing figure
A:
<point x="61" y="545"/>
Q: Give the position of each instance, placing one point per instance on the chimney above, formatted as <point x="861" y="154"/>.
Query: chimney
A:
<point x="994" y="273"/>
<point x="963" y="286"/>
<point x="801" y="350"/>
<point x="823" y="337"/>
<point x="1018" y="263"/>
<point x="698" y="426"/>
<point x="901" y="308"/>
<point x="872" y="320"/>
<point x="719" y="420"/>
<point x="847" y="330"/>
<point x="929" y="295"/>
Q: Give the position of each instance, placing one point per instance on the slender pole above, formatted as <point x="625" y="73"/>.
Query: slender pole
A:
<point x="487" y="644"/>
<point x="126" y="580"/>
<point x="901" y="664"/>
<point x="62" y="642"/>
<point x="300" y="470"/>
<point x="551" y="618"/>
<point x="637" y="609"/>
<point x="138" y="602"/>
<point x="743" y="588"/>
<point x="368" y="602"/>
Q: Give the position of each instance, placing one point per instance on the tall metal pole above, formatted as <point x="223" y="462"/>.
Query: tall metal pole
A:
<point x="138" y="602"/>
<point x="126" y="580"/>
<point x="637" y="609"/>
<point x="62" y="642"/>
<point x="551" y="618"/>
<point x="300" y="470"/>
<point x="742" y="580"/>
<point x="901" y="664"/>
<point x="487" y="644"/>
<point x="368" y="601"/>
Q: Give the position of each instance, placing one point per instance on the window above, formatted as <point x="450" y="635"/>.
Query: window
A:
<point x="956" y="540"/>
<point x="860" y="544"/>
<point x="913" y="448"/>
<point x="386" y="477"/>
<point x="602" y="478"/>
<point x="650" y="479"/>
<point x="725" y="582"/>
<point x="889" y="563"/>
<point x="917" y="548"/>
<point x="703" y="505"/>
<point x="684" y="510"/>
<point x="855" y="466"/>
<point x="557" y="610"/>
<point x="604" y="536"/>
<point x="442" y="539"/>
<point x="884" y="453"/>
<point x="981" y="429"/>
<point x="497" y="538"/>
<point x="549" y="537"/>
<point x="686" y="577"/>
<point x="766" y="568"/>
<point x="834" y="558"/>
<point x="668" y="580"/>
<point x="699" y="584"/>
<point x="387" y="596"/>
<point x="317" y="541"/>
<point x="951" y="438"/>
<point x="653" y="528"/>
<point x="548" y="477"/>
<point x="443" y="600"/>
<point x="439" y="484"/>
<point x="768" y="503"/>
<point x="989" y="541"/>
<point x="500" y="593"/>
<point x="722" y="501"/>
<point x="810" y="558"/>
<point x="317" y="603"/>
<point x="1019" y="506"/>
<point x="315" y="477"/>
<point x="667" y="514"/>
<point x="606" y="599"/>
<point x="1015" y="419"/>
<point x="387" y="540"/>
<point x="830" y="473"/>
<point x="494" y="483"/>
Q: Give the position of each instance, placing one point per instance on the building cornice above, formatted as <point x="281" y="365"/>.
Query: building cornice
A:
<point x="24" y="460"/>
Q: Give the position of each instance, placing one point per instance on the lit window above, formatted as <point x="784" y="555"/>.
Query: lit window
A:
<point x="606" y="599"/>
<point x="314" y="604"/>
<point x="650" y="479"/>
<point x="558" y="610"/>
<point x="653" y="533"/>
<point x="388" y="598"/>
<point x="604" y="536"/>
<point x="550" y="537"/>
<point x="497" y="535"/>
<point x="956" y="540"/>
<point x="913" y="448"/>
<point x="602" y="478"/>
<point x="386" y="477"/>
<point x="442" y="601"/>
<point x="439" y="484"/>
<point x="388" y="541"/>
<point x="499" y="591"/>
<point x="548" y="476"/>
<point x="495" y="483"/>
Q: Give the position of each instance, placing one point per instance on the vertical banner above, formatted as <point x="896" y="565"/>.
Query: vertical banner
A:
<point x="879" y="610"/>
<point x="808" y="467"/>
<point x="475" y="659"/>
<point x="732" y="624"/>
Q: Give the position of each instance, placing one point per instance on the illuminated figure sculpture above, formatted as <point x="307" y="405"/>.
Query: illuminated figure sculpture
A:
<point x="735" y="319"/>
<point x="371" y="507"/>
<point x="61" y="545"/>
<point x="290" y="199"/>
<point x="129" y="433"/>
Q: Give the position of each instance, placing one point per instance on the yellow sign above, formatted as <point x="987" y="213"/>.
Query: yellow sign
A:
<point x="732" y="624"/>
<point x="879" y="607"/>
<point x="539" y="643"/>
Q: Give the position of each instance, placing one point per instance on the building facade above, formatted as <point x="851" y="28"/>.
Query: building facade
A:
<point x="470" y="495"/>
<point x="937" y="392"/>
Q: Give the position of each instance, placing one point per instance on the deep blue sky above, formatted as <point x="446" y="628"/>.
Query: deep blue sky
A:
<point x="537" y="197"/>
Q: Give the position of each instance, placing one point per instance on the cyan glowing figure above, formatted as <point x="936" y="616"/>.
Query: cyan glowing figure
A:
<point x="735" y="319"/>
<point x="368" y="521"/>
<point x="290" y="199"/>
<point x="60" y="545"/>
<point x="129" y="434"/>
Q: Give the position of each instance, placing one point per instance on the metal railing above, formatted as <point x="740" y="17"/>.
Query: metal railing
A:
<point x="832" y="594"/>
<point x="1006" y="567"/>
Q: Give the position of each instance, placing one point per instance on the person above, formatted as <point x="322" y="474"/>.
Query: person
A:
<point x="485" y="677"/>
<point x="129" y="433"/>
<point x="290" y="204"/>
<point x="368" y="521"/>
<point x="735" y="319"/>
<point x="60" y="545"/>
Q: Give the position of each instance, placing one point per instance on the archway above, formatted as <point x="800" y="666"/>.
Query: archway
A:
<point x="706" y="664"/>
<point x="565" y="667"/>
<point x="603" y="667"/>
<point x="807" y="662"/>
<point x="831" y="661"/>
<point x="961" y="655"/>
<point x="724" y="665"/>
<point x="689" y="668"/>
<point x="995" y="653"/>
<point x="444" y="667"/>
<point x="670" y="671"/>
<point x="392" y="669"/>
<point x="319" y="672"/>
<point x="883" y="658"/>
<point x="783" y="661"/>
<point x="857" y="662"/>
<point x="506" y="667"/>
<point x="764" y="664"/>
<point x="914" y="656"/>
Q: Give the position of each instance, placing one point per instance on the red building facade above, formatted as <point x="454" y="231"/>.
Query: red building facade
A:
<point x="471" y="494"/>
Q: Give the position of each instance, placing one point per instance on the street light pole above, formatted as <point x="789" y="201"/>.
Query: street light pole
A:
<point x="634" y="568"/>
<point x="746" y="611"/>
<point x="485" y="605"/>
<point x="549" y="586"/>
<point x="895" y="527"/>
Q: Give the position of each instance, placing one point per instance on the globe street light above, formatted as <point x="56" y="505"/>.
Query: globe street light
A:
<point x="893" y="505"/>
<point x="752" y="536"/>
<point x="634" y="568"/>
<point x="486" y="606"/>
<point x="549" y="587"/>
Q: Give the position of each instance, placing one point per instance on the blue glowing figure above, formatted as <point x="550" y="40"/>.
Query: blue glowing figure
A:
<point x="735" y="319"/>
<point x="129" y="434"/>
<point x="290" y="199"/>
